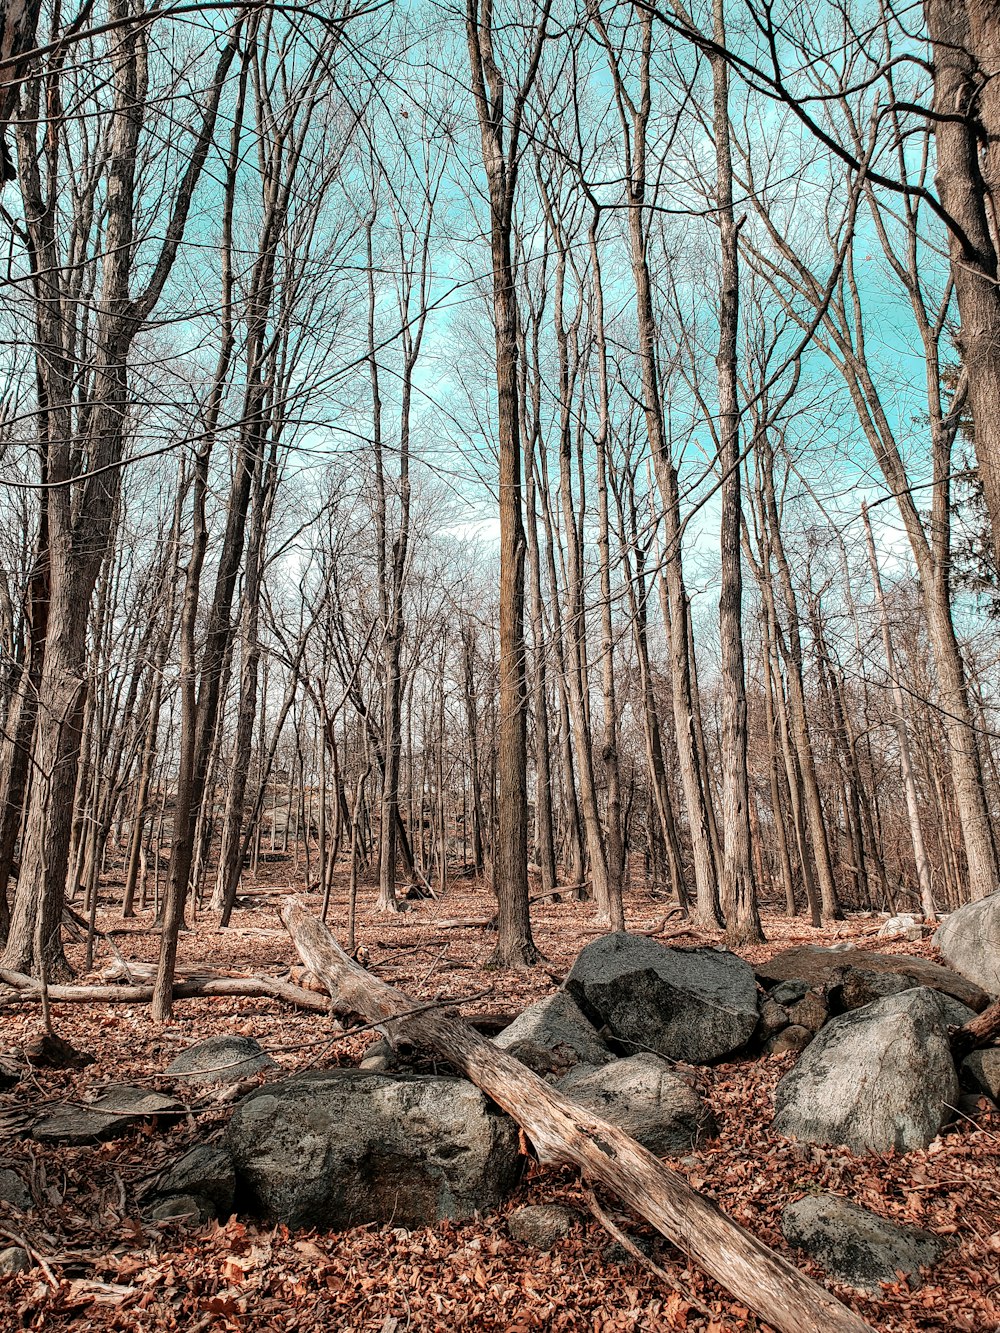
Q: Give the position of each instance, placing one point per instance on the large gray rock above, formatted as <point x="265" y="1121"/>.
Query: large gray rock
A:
<point x="983" y="1068"/>
<point x="687" y="1004"/>
<point x="15" y="1260"/>
<point x="861" y="986"/>
<point x="540" y="1225"/>
<point x="969" y="940"/>
<point x="877" y="1078"/>
<point x="956" y="1015"/>
<point x="855" y="1246"/>
<point x="643" y="1096"/>
<point x="206" y="1172"/>
<point x="344" y="1147"/>
<point x="113" y="1113"/>
<point x="221" y="1060"/>
<point x="14" y="1190"/>
<point x="832" y="968"/>
<point x="553" y="1036"/>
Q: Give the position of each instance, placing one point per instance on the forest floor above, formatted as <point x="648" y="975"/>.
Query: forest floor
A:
<point x="106" y="1267"/>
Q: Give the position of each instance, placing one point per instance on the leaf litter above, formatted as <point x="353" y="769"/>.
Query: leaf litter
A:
<point x="100" y="1264"/>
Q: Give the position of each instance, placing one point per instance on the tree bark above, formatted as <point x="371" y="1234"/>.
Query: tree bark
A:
<point x="500" y="132"/>
<point x="739" y="890"/>
<point x="965" y="43"/>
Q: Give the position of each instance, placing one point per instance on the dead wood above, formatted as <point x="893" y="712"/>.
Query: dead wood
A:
<point x="562" y="1132"/>
<point x="467" y="923"/>
<point x="629" y="1245"/>
<point x="27" y="988"/>
<point x="982" y="1030"/>
<point x="658" y="929"/>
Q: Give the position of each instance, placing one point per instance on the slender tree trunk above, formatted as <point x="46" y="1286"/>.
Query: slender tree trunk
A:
<point x="501" y="148"/>
<point x="739" y="891"/>
<point x="635" y="120"/>
<point x="920" y="857"/>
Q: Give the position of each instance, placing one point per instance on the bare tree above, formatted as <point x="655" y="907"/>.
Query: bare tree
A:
<point x="501" y="123"/>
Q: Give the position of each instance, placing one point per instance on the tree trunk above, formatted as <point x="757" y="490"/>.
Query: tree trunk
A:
<point x="739" y="891"/>
<point x="920" y="857"/>
<point x="965" y="43"/>
<point x="501" y="148"/>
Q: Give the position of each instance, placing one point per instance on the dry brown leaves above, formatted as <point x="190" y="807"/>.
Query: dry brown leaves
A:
<point x="109" y="1269"/>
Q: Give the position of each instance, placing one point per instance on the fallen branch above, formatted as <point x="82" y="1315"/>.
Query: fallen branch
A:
<point x="27" y="988"/>
<point x="562" y="1132"/>
<point x="629" y="1245"/>
<point x="37" y="1255"/>
<point x="80" y="923"/>
<point x="685" y="928"/>
<point x="467" y="923"/>
<point x="659" y="929"/>
<point x="979" y="1031"/>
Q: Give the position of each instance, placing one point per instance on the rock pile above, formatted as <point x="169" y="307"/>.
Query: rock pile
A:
<point x="383" y="1144"/>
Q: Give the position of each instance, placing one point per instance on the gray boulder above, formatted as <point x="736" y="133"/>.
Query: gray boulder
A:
<point x="221" y="1060"/>
<point x="969" y="940"/>
<point x="14" y="1191"/>
<point x="206" y="1172"/>
<point x="344" y="1147"/>
<point x="643" y="1096"/>
<point x="13" y="1260"/>
<point x="540" y="1225"/>
<point x="855" y="1246"/>
<point x="789" y="1040"/>
<point x="983" y="1069"/>
<point x="553" y="1036"/>
<point x="697" y="1005"/>
<point x="831" y="967"/>
<point x="116" y="1111"/>
<point x="810" y="1012"/>
<point x="877" y="1078"/>
<point x="956" y="1015"/>
<point x="190" y="1208"/>
<point x="861" y="986"/>
<point x="773" y="1017"/>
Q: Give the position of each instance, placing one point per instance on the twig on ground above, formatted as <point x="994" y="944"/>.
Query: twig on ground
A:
<point x="627" y="1243"/>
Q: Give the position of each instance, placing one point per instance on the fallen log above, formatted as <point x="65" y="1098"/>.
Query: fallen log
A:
<point x="466" y="923"/>
<point x="27" y="988"/>
<point x="562" y="1132"/>
<point x="982" y="1030"/>
<point x="191" y="988"/>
